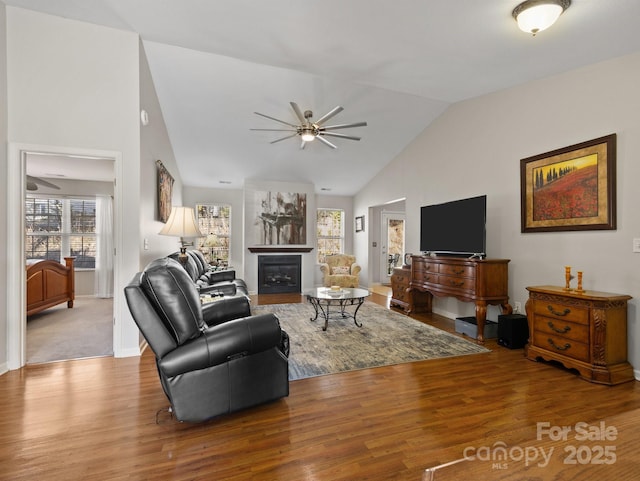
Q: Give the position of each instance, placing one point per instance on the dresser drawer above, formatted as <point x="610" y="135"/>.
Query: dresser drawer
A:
<point x="465" y="283"/>
<point x="424" y="276"/>
<point x="425" y="267"/>
<point x="401" y="295"/>
<point x="459" y="271"/>
<point x="562" y="328"/>
<point x="561" y="345"/>
<point x="561" y="311"/>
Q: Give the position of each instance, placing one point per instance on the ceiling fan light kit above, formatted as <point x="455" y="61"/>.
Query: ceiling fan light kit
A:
<point x="308" y="130"/>
<point x="534" y="16"/>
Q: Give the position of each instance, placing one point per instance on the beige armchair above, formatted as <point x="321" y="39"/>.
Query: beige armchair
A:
<point x="340" y="270"/>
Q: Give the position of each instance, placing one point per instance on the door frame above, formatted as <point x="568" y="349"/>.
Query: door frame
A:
<point x="385" y="216"/>
<point x="16" y="281"/>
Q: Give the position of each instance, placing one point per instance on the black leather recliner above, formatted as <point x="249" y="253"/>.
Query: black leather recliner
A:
<point x="206" y="371"/>
<point x="210" y="282"/>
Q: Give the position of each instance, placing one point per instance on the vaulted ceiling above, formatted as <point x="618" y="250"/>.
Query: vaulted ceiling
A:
<point x="394" y="64"/>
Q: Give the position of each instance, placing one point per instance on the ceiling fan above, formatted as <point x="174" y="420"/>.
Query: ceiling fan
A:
<point x="33" y="182"/>
<point x="309" y="130"/>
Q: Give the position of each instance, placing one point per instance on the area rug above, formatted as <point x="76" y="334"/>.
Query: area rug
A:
<point x="385" y="338"/>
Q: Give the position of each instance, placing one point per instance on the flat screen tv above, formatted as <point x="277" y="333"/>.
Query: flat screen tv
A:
<point x="454" y="228"/>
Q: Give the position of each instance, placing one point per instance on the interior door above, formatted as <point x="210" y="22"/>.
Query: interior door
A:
<point x="392" y="235"/>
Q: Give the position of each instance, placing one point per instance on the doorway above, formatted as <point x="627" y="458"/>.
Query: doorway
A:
<point x="392" y="242"/>
<point x="15" y="248"/>
<point x="69" y="212"/>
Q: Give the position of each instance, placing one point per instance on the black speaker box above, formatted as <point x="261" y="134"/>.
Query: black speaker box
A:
<point x="513" y="330"/>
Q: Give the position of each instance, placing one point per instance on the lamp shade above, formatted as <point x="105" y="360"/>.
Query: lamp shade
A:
<point x="181" y="223"/>
<point x="534" y="16"/>
<point x="211" y="241"/>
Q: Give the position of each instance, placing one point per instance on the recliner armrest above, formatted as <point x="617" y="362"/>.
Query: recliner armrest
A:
<point x="227" y="289"/>
<point x="217" y="276"/>
<point x="226" y="309"/>
<point x="221" y="343"/>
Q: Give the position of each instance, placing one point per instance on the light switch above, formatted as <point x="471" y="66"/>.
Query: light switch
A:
<point x="146" y="244"/>
<point x="636" y="245"/>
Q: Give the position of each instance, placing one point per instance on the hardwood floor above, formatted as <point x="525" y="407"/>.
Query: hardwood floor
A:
<point x="95" y="419"/>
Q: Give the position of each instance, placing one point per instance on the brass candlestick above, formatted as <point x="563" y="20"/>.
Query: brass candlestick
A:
<point x="579" y="289"/>
<point x="567" y="277"/>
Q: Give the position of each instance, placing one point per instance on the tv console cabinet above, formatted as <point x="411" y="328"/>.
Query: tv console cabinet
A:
<point x="585" y="331"/>
<point x="481" y="281"/>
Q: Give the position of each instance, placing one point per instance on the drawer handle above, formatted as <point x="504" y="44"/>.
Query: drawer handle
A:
<point x="559" y="348"/>
<point x="559" y="331"/>
<point x="558" y="313"/>
<point x="458" y="272"/>
<point x="457" y="284"/>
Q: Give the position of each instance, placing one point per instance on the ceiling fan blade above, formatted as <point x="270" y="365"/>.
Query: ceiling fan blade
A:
<point x="284" y="138"/>
<point x="326" y="142"/>
<point x="275" y="130"/>
<point x="298" y="112"/>
<point x="277" y="120"/>
<point x="344" y="126"/>
<point x="328" y="115"/>
<point x="42" y="182"/>
<point x="342" y="136"/>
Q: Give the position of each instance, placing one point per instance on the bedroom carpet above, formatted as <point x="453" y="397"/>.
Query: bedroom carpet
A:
<point x="59" y="333"/>
<point x="385" y="338"/>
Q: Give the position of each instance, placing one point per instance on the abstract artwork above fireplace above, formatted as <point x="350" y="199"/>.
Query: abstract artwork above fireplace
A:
<point x="281" y="218"/>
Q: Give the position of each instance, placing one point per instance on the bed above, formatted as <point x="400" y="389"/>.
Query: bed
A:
<point x="50" y="283"/>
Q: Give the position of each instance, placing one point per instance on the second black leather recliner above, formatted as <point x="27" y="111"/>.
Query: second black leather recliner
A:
<point x="211" y="281"/>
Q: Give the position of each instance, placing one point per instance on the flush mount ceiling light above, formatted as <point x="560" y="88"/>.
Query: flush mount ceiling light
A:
<point x="534" y="16"/>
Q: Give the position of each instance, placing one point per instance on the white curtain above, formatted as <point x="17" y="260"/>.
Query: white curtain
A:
<point x="104" y="247"/>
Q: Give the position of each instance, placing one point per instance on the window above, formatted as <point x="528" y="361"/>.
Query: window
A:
<point x="214" y="220"/>
<point x="330" y="235"/>
<point x="59" y="227"/>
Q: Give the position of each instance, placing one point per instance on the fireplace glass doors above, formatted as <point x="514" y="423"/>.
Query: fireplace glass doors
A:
<point x="279" y="274"/>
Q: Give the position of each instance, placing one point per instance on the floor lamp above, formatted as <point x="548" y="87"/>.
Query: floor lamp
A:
<point x="182" y="223"/>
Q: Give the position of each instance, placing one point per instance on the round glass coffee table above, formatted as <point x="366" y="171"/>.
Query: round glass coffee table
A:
<point x="324" y="299"/>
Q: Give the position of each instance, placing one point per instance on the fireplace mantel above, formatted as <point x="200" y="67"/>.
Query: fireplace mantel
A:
<point x="279" y="249"/>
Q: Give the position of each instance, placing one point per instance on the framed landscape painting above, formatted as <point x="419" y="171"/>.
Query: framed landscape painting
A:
<point x="573" y="188"/>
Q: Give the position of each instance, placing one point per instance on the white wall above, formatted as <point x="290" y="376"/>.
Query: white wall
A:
<point x="475" y="148"/>
<point x="154" y="145"/>
<point x="76" y="85"/>
<point x="4" y="182"/>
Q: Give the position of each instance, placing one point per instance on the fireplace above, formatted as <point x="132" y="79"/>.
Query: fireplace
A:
<point x="279" y="274"/>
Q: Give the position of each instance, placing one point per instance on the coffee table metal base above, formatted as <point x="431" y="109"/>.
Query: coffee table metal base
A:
<point x="323" y="306"/>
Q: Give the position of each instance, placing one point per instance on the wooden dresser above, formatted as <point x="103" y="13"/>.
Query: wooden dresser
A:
<point x="481" y="281"/>
<point x="584" y="331"/>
